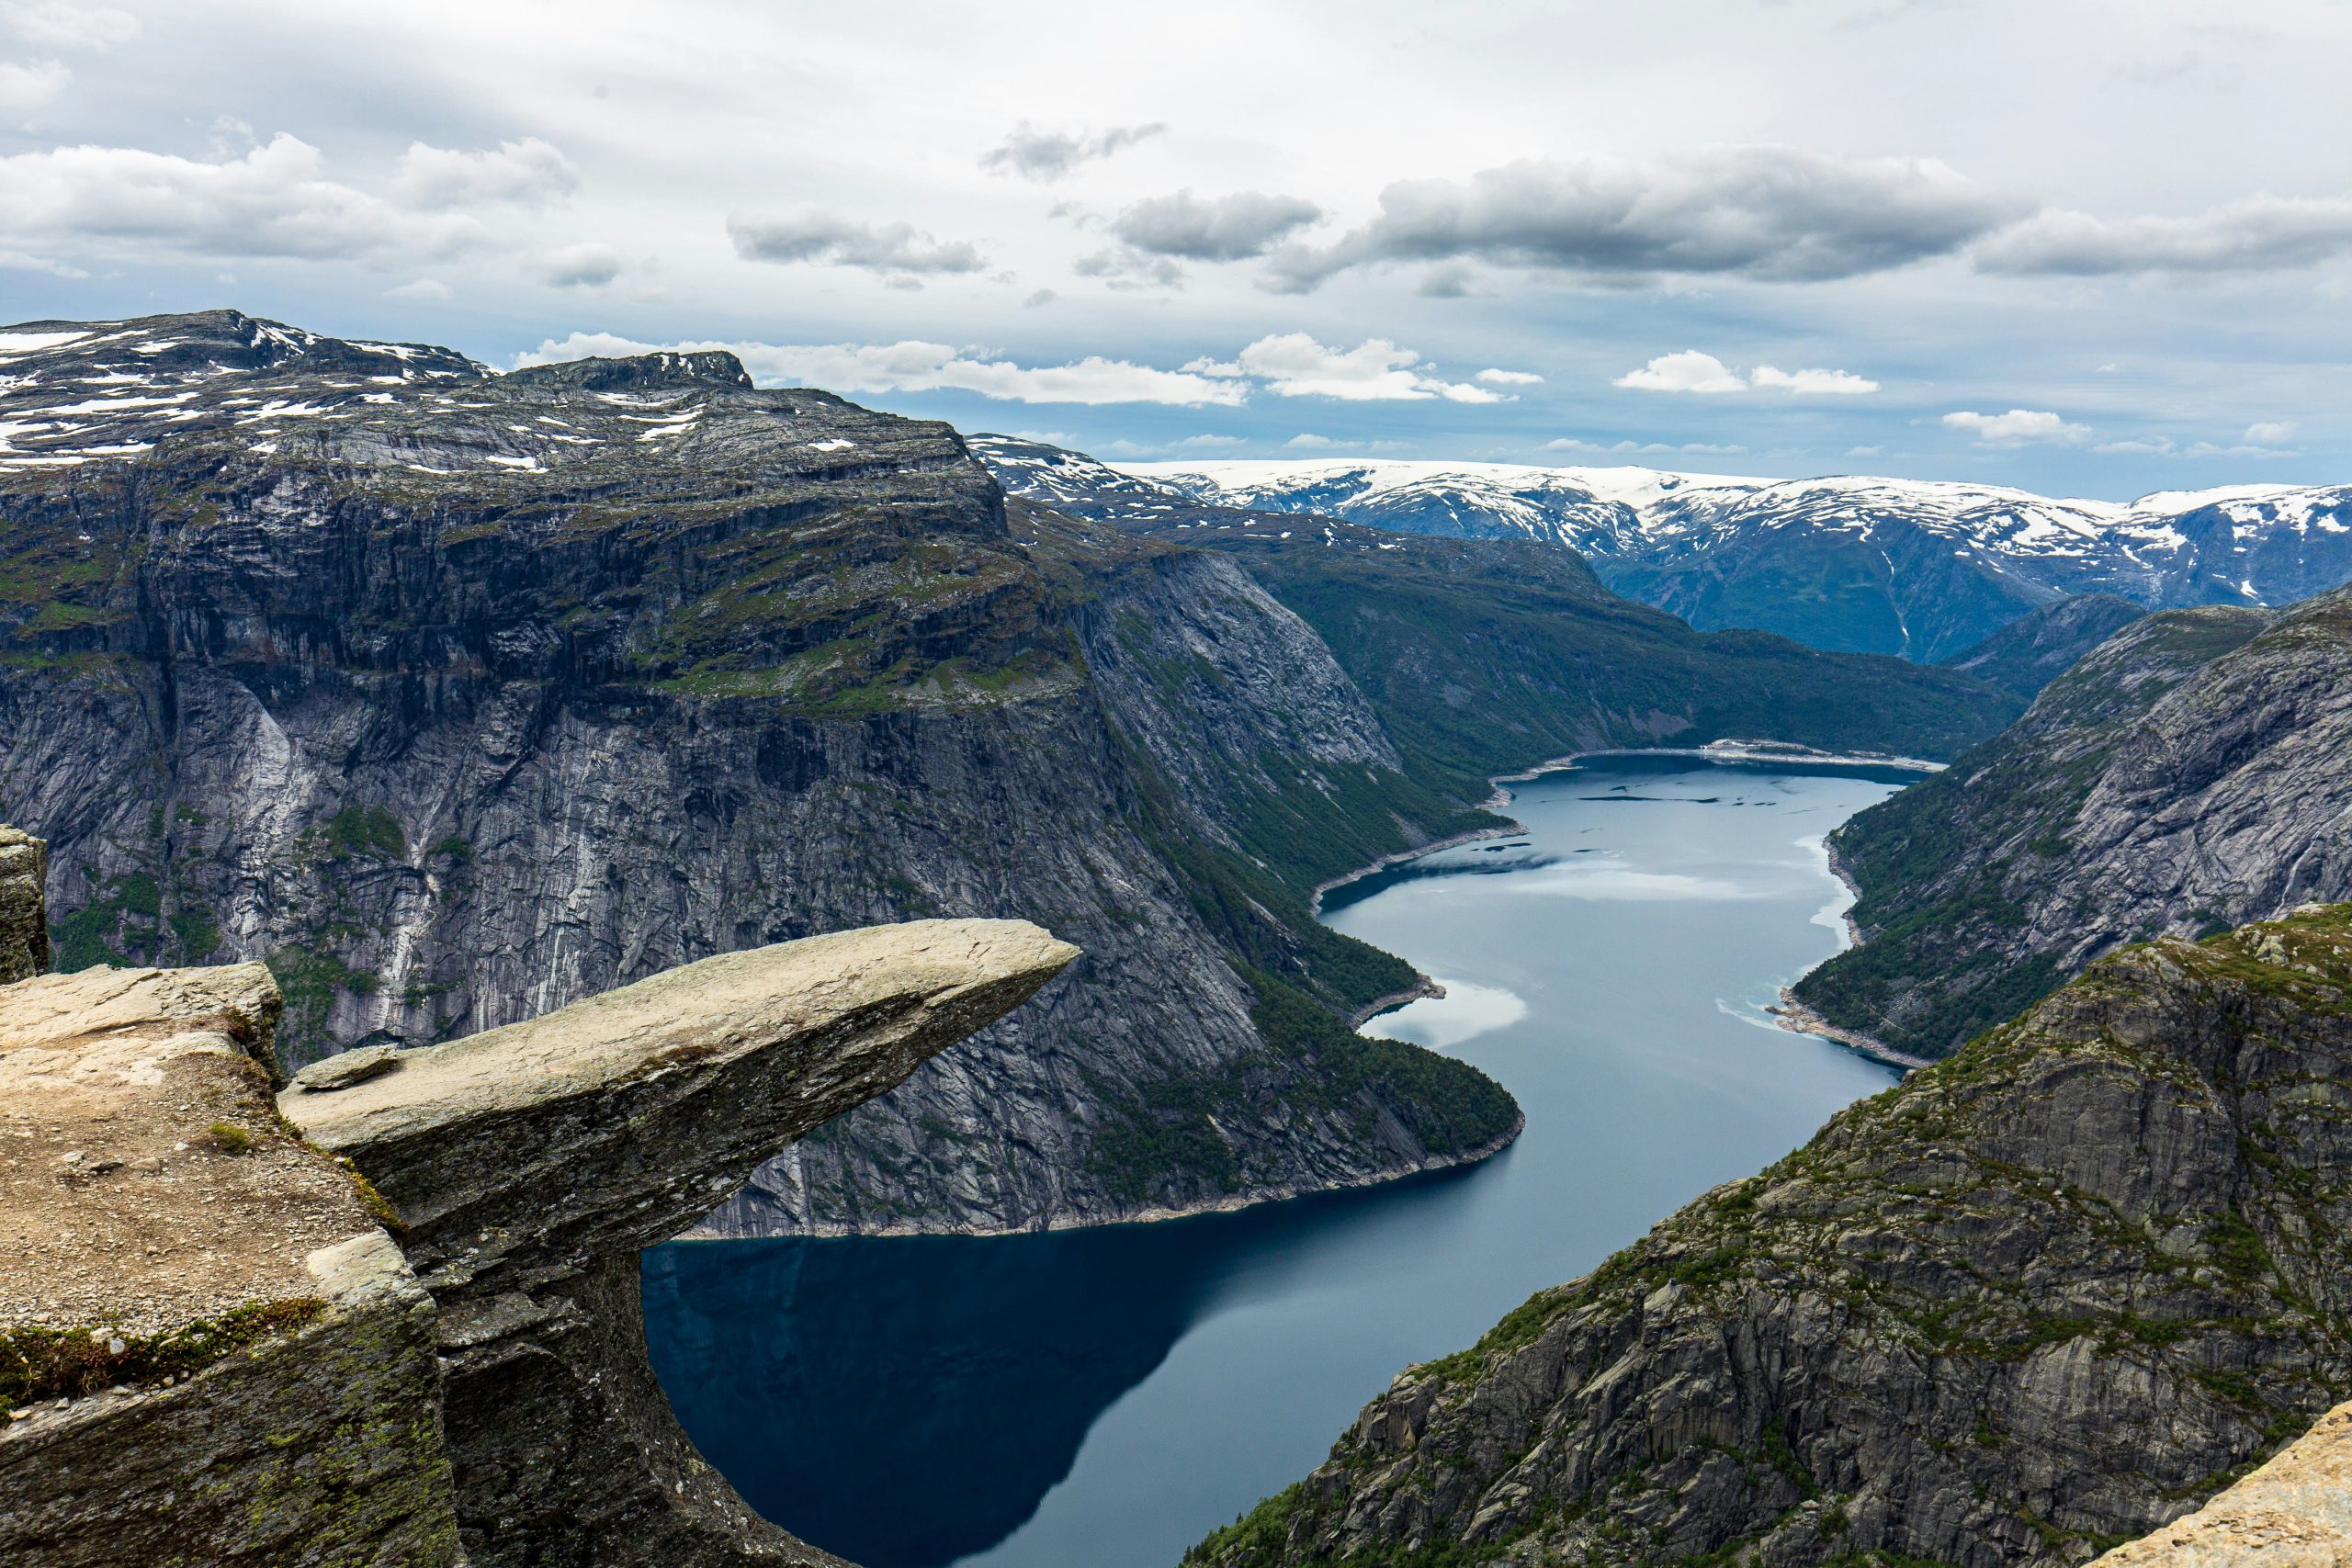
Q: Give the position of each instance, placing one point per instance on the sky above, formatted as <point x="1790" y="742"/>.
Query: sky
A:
<point x="2087" y="249"/>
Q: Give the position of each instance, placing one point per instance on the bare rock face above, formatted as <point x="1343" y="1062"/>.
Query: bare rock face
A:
<point x="390" y="1317"/>
<point x="24" y="934"/>
<point x="2040" y="1299"/>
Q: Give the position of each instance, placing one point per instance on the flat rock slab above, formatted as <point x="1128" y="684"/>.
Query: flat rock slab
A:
<point x="145" y="1180"/>
<point x="2294" y="1512"/>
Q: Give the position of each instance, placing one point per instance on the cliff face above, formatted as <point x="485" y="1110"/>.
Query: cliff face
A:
<point x="2038" y="1300"/>
<point x="2187" y="775"/>
<point x="454" y="697"/>
<point x="2036" y="648"/>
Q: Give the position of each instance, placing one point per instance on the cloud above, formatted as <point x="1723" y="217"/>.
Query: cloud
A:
<point x="1864" y="451"/>
<point x="275" y="200"/>
<point x="1692" y="371"/>
<point x="1048" y="156"/>
<point x="27" y="85"/>
<point x="1207" y="443"/>
<point x="832" y="240"/>
<point x="529" y="172"/>
<point x="1623" y="449"/>
<point x="1777" y="214"/>
<point x="1042" y="296"/>
<point x="1124" y="268"/>
<point x="2016" y="427"/>
<point x="1689" y="371"/>
<point x="1293" y="364"/>
<point x="1811" y="383"/>
<point x="914" y="366"/>
<point x="431" y="289"/>
<point x="1510" y="377"/>
<point x="2261" y="234"/>
<point x="1308" y="441"/>
<point x="70" y="27"/>
<point x="1219" y="229"/>
<point x="581" y="266"/>
<point x="2271" y="432"/>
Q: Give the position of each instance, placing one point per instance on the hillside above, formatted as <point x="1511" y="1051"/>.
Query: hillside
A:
<point x="1924" y="570"/>
<point x="2187" y="775"/>
<point x="2042" y="645"/>
<point x="1486" y="656"/>
<point x="2035" y="1302"/>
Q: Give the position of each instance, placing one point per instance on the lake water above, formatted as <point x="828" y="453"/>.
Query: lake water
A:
<point x="1103" y="1398"/>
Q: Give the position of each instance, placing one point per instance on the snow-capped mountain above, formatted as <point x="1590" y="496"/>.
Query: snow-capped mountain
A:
<point x="1918" y="567"/>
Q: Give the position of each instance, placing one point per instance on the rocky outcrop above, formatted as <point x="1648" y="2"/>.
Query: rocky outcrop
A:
<point x="24" y="929"/>
<point x="2186" y="776"/>
<point x="2293" y="1512"/>
<point x="2041" y="1299"/>
<point x="454" y="697"/>
<point x="390" y="1317"/>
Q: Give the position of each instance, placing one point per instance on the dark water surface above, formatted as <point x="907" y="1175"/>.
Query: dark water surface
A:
<point x="1103" y="1398"/>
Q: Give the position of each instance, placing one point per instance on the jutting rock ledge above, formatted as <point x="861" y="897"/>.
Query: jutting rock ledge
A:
<point x="388" y="1313"/>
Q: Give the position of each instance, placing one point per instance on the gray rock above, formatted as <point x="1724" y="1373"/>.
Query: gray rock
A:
<point x="24" y="929"/>
<point x="348" y="1067"/>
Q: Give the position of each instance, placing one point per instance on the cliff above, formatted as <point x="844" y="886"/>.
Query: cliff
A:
<point x="389" y="1314"/>
<point x="2041" y="1299"/>
<point x="2184" y="777"/>
<point x="454" y="697"/>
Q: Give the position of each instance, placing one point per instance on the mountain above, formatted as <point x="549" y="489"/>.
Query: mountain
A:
<point x="2039" y="1299"/>
<point x="2042" y="645"/>
<point x="1488" y="655"/>
<point x="1919" y="568"/>
<point x="2188" y="774"/>
<point x="457" y="697"/>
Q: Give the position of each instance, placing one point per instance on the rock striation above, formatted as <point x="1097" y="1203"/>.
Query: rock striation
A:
<point x="390" y="1317"/>
<point x="2040" y="1299"/>
<point x="2186" y="776"/>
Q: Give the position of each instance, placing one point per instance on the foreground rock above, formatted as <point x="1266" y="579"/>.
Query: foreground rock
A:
<point x="2041" y="1299"/>
<point x="399" y="1326"/>
<point x="2294" y="1512"/>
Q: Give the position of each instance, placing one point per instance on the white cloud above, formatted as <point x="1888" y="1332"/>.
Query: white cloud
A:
<point x="823" y="237"/>
<point x="529" y="172"/>
<point x="1811" y="383"/>
<point x="2261" y="234"/>
<point x="2016" y="427"/>
<point x="275" y="200"/>
<point x="2270" y="432"/>
<point x="581" y="266"/>
<point x="1772" y="213"/>
<point x="1628" y="448"/>
<point x="2148" y="446"/>
<point x="1125" y="267"/>
<point x="1207" y="443"/>
<point x="1308" y="441"/>
<point x="1688" y="371"/>
<point x="1692" y="371"/>
<point x="431" y="289"/>
<point x="1048" y="156"/>
<point x="62" y="25"/>
<point x="1293" y="364"/>
<point x="1864" y="451"/>
<point x="27" y="85"/>
<point x="913" y="367"/>
<point x="1510" y="377"/>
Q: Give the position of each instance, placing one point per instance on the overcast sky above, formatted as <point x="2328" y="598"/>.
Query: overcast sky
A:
<point x="2092" y="249"/>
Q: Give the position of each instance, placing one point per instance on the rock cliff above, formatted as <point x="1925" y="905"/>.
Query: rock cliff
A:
<point x="389" y="1315"/>
<point x="2038" y="1300"/>
<point x="2186" y="776"/>
<point x="454" y="697"/>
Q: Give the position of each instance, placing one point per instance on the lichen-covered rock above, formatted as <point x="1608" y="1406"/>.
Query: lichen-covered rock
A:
<point x="24" y="930"/>
<point x="2037" y="1301"/>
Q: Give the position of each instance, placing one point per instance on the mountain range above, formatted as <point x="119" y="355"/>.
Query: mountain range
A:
<point x="456" y="695"/>
<point x="1923" y="569"/>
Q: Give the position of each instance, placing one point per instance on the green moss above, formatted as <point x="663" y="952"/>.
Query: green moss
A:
<point x="53" y="1363"/>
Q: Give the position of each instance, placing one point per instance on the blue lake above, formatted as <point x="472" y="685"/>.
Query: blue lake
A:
<point x="1103" y="1398"/>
